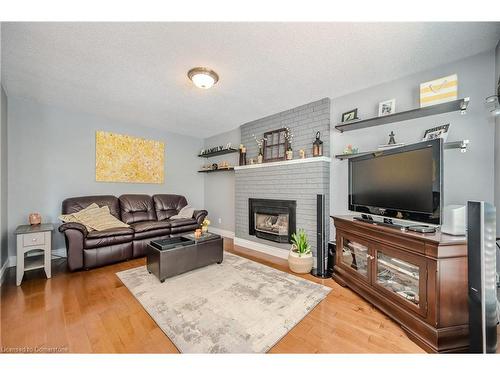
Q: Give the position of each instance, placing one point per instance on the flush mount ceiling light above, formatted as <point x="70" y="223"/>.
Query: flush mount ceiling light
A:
<point x="203" y="78"/>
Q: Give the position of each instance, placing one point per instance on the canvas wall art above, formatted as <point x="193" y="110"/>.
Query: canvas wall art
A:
<point x="123" y="158"/>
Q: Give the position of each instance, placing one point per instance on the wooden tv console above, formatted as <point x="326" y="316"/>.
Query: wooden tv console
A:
<point x="419" y="280"/>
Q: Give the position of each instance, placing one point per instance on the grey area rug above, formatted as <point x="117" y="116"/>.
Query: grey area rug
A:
<point x="239" y="306"/>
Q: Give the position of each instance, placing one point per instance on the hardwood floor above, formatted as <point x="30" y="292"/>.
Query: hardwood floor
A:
<point x="92" y="311"/>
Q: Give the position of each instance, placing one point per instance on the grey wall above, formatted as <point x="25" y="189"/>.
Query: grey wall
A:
<point x="497" y="142"/>
<point x="52" y="157"/>
<point x="219" y="187"/>
<point x="467" y="175"/>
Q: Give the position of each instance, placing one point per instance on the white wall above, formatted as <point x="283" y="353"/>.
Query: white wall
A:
<point x="52" y="157"/>
<point x="467" y="176"/>
<point x="219" y="186"/>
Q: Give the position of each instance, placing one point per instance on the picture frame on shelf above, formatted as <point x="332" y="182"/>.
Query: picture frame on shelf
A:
<point x="350" y="115"/>
<point x="440" y="131"/>
<point x="387" y="107"/>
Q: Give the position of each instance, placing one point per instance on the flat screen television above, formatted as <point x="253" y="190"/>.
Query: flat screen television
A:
<point x="404" y="183"/>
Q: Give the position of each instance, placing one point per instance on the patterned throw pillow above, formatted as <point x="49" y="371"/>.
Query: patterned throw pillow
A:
<point x="185" y="213"/>
<point x="70" y="218"/>
<point x="99" y="219"/>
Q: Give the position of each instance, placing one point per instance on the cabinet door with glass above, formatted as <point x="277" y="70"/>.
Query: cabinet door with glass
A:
<point x="354" y="256"/>
<point x="401" y="276"/>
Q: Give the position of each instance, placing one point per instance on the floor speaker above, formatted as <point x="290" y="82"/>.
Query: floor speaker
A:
<point x="321" y="269"/>
<point x="481" y="262"/>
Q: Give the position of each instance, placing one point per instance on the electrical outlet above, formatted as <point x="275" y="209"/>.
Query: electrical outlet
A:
<point x="220" y="220"/>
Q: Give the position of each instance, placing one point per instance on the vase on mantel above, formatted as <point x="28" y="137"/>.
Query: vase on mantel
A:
<point x="289" y="154"/>
<point x="260" y="158"/>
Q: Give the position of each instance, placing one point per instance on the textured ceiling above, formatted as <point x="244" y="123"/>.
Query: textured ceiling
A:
<point x="136" y="72"/>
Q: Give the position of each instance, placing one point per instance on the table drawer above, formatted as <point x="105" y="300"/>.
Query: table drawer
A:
<point x="33" y="239"/>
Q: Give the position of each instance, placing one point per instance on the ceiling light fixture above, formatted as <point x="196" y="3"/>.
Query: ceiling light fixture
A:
<point x="203" y="78"/>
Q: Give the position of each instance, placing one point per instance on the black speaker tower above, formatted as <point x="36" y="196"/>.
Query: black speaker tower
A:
<point x="321" y="269"/>
<point x="481" y="259"/>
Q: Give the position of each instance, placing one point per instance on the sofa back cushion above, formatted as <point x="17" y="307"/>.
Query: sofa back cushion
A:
<point x="167" y="205"/>
<point x="136" y="207"/>
<point x="75" y="204"/>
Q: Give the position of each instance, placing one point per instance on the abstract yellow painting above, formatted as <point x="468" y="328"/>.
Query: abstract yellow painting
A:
<point x="123" y="158"/>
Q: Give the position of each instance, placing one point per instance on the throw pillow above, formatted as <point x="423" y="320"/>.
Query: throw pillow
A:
<point x="186" y="212"/>
<point x="70" y="218"/>
<point x="100" y="219"/>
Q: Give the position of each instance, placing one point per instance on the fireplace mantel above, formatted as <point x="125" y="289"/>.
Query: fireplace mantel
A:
<point x="285" y="162"/>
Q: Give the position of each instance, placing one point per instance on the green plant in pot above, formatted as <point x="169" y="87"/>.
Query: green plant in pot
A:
<point x="300" y="259"/>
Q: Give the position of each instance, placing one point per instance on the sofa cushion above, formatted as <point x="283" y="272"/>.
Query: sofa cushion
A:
<point x="185" y="213"/>
<point x="176" y="223"/>
<point x="167" y="205"/>
<point x="110" y="232"/>
<point x="148" y="229"/>
<point x="144" y="226"/>
<point x="136" y="207"/>
<point x="107" y="240"/>
<point x="72" y="205"/>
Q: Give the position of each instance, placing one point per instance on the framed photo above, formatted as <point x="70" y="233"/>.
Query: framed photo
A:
<point x="350" y="115"/>
<point x="437" y="132"/>
<point x="387" y="107"/>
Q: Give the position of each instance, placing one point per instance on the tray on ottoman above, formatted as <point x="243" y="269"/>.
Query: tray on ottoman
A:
<point x="173" y="256"/>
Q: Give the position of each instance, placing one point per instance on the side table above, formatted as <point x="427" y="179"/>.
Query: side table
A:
<point x="34" y="249"/>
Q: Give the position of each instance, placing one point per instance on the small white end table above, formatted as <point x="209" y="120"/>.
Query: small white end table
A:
<point x="34" y="249"/>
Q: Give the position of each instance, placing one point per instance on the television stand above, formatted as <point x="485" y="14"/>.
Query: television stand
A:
<point x="384" y="224"/>
<point x="419" y="280"/>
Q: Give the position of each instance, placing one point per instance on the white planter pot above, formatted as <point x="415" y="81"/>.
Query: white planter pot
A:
<point x="300" y="264"/>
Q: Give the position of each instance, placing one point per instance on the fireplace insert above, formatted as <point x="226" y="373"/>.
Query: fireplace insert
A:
<point x="272" y="219"/>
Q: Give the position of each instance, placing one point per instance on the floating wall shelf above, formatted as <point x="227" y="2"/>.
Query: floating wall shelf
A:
<point x="462" y="145"/>
<point x="454" y="106"/>
<point x="216" y="170"/>
<point x="217" y="153"/>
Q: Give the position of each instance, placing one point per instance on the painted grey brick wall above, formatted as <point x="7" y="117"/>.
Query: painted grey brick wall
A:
<point x="299" y="182"/>
<point x="304" y="122"/>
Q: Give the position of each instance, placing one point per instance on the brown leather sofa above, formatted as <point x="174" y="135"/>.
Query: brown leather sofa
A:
<point x="149" y="219"/>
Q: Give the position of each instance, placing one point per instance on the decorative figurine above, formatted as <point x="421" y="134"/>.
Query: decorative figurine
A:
<point x="392" y="140"/>
<point x="302" y="154"/>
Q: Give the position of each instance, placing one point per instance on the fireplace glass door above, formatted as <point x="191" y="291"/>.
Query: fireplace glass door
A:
<point x="274" y="224"/>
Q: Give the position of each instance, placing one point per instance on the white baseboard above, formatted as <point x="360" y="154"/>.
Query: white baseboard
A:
<point x="221" y="232"/>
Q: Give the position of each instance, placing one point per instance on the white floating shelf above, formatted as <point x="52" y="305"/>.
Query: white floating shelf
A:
<point x="317" y="159"/>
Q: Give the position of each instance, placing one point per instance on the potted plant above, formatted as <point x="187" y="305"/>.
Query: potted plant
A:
<point x="300" y="259"/>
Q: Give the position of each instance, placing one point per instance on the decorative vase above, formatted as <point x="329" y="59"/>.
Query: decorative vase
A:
<point x="259" y="159"/>
<point x="197" y="233"/>
<point x="35" y="218"/>
<point x="204" y="229"/>
<point x="302" y="154"/>
<point x="300" y="263"/>
<point x="289" y="155"/>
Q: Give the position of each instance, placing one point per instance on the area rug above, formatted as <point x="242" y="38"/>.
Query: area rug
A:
<point x="239" y="306"/>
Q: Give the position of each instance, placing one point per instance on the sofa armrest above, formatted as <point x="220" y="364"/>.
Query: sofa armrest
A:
<point x="74" y="235"/>
<point x="72" y="225"/>
<point x="200" y="215"/>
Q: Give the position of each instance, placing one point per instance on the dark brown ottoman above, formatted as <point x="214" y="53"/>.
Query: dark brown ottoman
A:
<point x="176" y="255"/>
